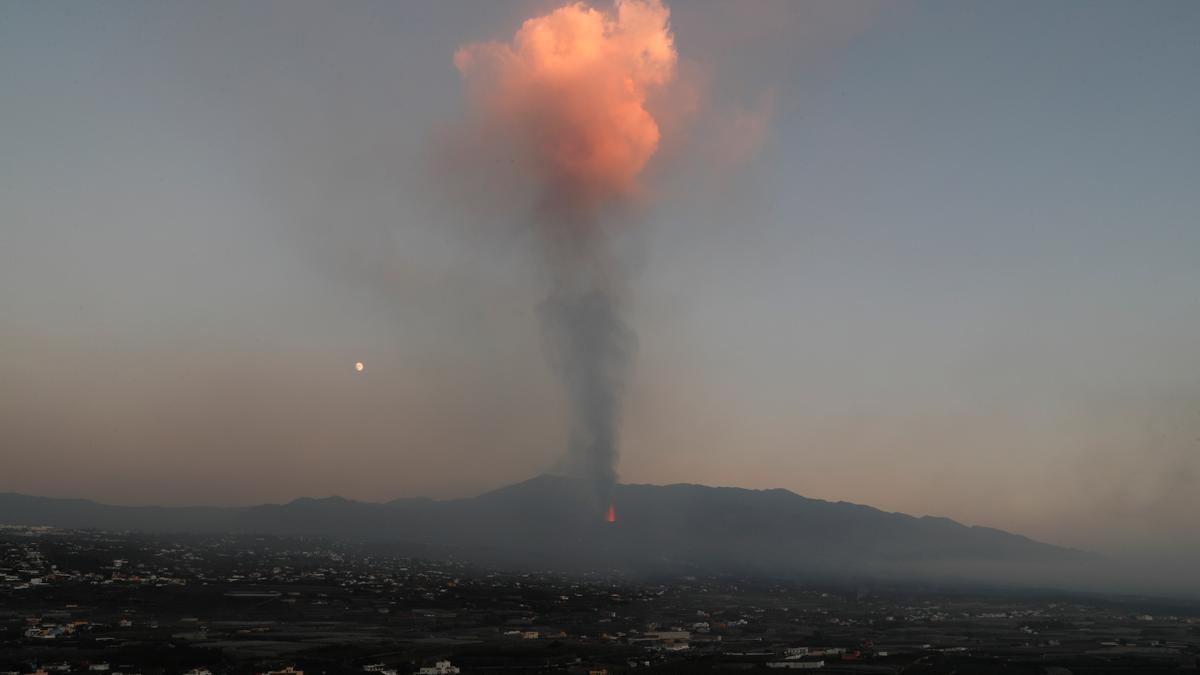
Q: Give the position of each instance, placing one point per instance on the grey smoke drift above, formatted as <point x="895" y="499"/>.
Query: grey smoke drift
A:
<point x="591" y="349"/>
<point x="567" y="99"/>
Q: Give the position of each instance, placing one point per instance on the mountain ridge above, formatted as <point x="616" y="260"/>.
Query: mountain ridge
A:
<point x="554" y="521"/>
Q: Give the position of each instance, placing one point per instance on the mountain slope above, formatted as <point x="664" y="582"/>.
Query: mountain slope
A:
<point x="550" y="521"/>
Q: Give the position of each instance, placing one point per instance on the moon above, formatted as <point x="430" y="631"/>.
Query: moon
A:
<point x="358" y="365"/>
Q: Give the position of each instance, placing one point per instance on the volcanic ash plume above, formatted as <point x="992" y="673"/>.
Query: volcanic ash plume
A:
<point x="567" y="96"/>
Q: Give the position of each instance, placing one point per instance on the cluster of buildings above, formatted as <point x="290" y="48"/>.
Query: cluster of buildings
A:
<point x="254" y="605"/>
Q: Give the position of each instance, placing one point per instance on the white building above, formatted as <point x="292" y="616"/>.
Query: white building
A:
<point x="796" y="665"/>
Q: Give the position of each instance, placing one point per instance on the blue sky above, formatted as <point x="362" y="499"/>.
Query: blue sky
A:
<point x="937" y="257"/>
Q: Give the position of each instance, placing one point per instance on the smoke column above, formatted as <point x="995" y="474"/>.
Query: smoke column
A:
<point x="568" y="95"/>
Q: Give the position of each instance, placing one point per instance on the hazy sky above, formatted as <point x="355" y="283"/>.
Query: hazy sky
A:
<point x="936" y="257"/>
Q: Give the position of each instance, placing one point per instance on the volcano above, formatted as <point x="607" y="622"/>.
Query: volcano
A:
<point x="550" y="522"/>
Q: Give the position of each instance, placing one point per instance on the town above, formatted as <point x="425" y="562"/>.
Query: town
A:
<point x="112" y="602"/>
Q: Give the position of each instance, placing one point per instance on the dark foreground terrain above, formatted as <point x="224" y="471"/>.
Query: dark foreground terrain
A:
<point x="95" y="601"/>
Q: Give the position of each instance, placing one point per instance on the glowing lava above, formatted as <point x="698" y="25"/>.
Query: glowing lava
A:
<point x="612" y="514"/>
